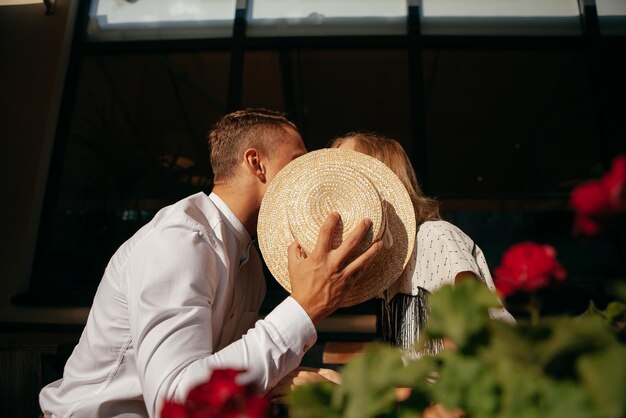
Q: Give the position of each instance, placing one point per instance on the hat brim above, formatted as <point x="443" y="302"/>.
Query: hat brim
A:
<point x="275" y="235"/>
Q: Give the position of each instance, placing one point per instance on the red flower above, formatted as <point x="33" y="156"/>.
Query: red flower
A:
<point x="596" y="200"/>
<point x="220" y="397"/>
<point x="615" y="179"/>
<point x="172" y="409"/>
<point x="527" y="267"/>
<point x="258" y="407"/>
<point x="591" y="199"/>
<point x="586" y="225"/>
<point x="220" y="389"/>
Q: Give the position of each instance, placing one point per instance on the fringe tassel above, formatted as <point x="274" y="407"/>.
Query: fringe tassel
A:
<point x="400" y="322"/>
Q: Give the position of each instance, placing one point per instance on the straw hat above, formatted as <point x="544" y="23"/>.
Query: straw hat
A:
<point x="355" y="185"/>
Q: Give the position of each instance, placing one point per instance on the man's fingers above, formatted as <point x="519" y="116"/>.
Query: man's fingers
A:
<point x="402" y="394"/>
<point x="439" y="411"/>
<point x="353" y="239"/>
<point x="325" y="237"/>
<point x="298" y="377"/>
<point x="294" y="252"/>
<point x="331" y="375"/>
<point x="360" y="262"/>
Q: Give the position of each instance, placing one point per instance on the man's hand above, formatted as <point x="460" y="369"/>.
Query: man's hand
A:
<point x="319" y="282"/>
<point x="302" y="376"/>
<point x="439" y="411"/>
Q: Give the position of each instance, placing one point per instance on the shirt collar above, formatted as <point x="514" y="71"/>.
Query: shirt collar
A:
<point x="234" y="224"/>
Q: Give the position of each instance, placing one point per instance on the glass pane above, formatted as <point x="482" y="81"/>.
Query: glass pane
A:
<point x="327" y="17"/>
<point x="612" y="15"/>
<point x="337" y="99"/>
<point x="272" y="9"/>
<point x="160" y="19"/>
<point x="500" y="8"/>
<point x="136" y="143"/>
<point x="501" y="17"/>
<point x="611" y="7"/>
<point x="498" y="115"/>
<point x="263" y="88"/>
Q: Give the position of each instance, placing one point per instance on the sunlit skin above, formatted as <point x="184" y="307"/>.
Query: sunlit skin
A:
<point x="244" y="191"/>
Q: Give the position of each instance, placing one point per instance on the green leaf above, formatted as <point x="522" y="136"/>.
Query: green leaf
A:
<point x="460" y="314"/>
<point x="526" y="394"/>
<point x="603" y="375"/>
<point x="466" y="383"/>
<point x="312" y="401"/>
<point x="514" y="343"/>
<point x="570" y="339"/>
<point x="618" y="289"/>
<point x="409" y="410"/>
<point x="369" y="382"/>
<point x="559" y="367"/>
<point x="566" y="399"/>
<point x="615" y="312"/>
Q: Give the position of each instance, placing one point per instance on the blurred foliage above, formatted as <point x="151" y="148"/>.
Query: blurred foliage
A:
<point x="571" y="367"/>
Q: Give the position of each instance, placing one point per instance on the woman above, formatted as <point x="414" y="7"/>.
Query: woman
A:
<point x="443" y="254"/>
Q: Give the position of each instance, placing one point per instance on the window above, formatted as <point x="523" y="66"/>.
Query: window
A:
<point x="327" y="17"/>
<point x="500" y="122"/>
<point x="501" y="17"/>
<point x="136" y="142"/>
<point x="113" y="20"/>
<point x="612" y="16"/>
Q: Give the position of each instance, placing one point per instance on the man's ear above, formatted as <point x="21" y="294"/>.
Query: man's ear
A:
<point x="254" y="163"/>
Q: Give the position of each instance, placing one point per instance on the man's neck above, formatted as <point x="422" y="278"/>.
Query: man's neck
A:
<point x="242" y="201"/>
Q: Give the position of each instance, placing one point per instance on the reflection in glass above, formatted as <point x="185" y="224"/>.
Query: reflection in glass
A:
<point x="500" y="8"/>
<point x="160" y="19"/>
<point x="612" y="16"/>
<point x="297" y="9"/>
<point x="327" y="17"/>
<point x="501" y="17"/>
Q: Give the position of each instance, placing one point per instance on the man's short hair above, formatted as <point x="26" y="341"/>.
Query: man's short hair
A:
<point x="240" y="130"/>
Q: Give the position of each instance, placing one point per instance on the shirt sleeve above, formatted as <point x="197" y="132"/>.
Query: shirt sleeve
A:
<point x="454" y="252"/>
<point x="446" y="252"/>
<point x="174" y="279"/>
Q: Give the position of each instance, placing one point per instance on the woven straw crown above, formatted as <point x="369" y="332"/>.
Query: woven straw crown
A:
<point x="353" y="184"/>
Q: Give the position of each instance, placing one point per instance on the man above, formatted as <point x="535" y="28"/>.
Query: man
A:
<point x="177" y="298"/>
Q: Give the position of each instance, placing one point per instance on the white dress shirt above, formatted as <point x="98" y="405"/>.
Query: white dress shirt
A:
<point x="178" y="299"/>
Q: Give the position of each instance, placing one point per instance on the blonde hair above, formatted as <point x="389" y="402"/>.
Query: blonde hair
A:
<point x="391" y="153"/>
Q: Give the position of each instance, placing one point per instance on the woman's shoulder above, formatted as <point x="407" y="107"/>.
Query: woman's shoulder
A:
<point x="440" y="226"/>
<point x="436" y="230"/>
